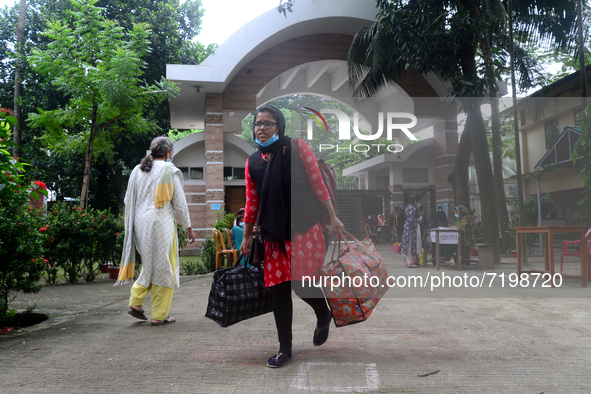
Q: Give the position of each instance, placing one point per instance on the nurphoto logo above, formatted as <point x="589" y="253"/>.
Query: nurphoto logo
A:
<point x="394" y="121"/>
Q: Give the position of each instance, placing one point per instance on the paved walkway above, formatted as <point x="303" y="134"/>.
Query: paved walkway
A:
<point x="416" y="341"/>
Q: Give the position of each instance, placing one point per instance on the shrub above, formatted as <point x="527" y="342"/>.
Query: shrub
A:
<point x="193" y="267"/>
<point x="78" y="241"/>
<point x="22" y="262"/>
<point x="21" y="252"/>
<point x="208" y="254"/>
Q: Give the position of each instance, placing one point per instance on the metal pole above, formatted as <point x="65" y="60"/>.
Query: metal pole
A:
<point x="540" y="217"/>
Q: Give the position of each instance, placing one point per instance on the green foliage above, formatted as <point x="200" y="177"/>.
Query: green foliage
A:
<point x="174" y="25"/>
<point x="582" y="156"/>
<point x="208" y="254"/>
<point x="21" y="251"/>
<point x="98" y="66"/>
<point x="77" y="241"/>
<point x="176" y="135"/>
<point x="224" y="220"/>
<point x="531" y="216"/>
<point x="11" y="170"/>
<point x="182" y="236"/>
<point x="192" y="266"/>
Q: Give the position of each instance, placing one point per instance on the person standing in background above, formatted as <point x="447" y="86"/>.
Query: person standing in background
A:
<point x="411" y="238"/>
<point x="440" y="217"/>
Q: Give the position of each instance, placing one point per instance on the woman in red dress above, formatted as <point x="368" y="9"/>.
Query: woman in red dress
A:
<point x="291" y="228"/>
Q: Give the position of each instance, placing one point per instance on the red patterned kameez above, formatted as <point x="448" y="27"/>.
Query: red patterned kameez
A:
<point x="310" y="247"/>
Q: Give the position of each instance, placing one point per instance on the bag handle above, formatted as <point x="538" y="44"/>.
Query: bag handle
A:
<point x="340" y="236"/>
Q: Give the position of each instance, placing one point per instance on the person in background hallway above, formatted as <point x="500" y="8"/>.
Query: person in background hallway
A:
<point x="411" y="238"/>
<point x="440" y="217"/>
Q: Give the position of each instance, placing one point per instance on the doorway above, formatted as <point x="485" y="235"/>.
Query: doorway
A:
<point x="235" y="198"/>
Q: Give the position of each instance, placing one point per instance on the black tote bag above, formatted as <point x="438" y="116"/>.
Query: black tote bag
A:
<point x="238" y="293"/>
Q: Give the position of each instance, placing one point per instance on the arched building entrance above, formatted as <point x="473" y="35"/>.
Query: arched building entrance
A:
<point x="305" y="53"/>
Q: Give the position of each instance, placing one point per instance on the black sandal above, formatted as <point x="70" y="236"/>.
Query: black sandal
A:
<point x="138" y="314"/>
<point x="277" y="360"/>
<point x="321" y="333"/>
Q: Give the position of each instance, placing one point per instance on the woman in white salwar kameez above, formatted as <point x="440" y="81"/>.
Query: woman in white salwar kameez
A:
<point x="154" y="196"/>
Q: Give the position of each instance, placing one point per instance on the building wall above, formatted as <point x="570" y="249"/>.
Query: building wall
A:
<point x="534" y="146"/>
<point x="563" y="184"/>
<point x="201" y="194"/>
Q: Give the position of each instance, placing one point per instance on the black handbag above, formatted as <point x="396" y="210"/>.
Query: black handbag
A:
<point x="257" y="250"/>
<point x="238" y="293"/>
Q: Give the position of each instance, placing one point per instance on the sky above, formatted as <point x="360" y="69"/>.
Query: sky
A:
<point x="221" y="18"/>
<point x="224" y="17"/>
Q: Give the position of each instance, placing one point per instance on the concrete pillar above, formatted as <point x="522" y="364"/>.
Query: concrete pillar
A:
<point x="445" y="136"/>
<point x="214" y="156"/>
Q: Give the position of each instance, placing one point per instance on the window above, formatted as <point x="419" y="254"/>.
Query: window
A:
<point x="192" y="173"/>
<point x="415" y="175"/>
<point x="579" y="116"/>
<point x="552" y="132"/>
<point x="233" y="173"/>
<point x="197" y="173"/>
<point x="383" y="182"/>
<point x="557" y="212"/>
<point x="239" y="173"/>
<point x="227" y="173"/>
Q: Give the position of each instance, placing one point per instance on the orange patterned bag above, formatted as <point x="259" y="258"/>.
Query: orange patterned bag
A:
<point x="355" y="281"/>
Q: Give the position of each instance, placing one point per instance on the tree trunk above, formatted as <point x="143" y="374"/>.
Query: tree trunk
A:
<point x="581" y="44"/>
<point x="516" y="122"/>
<point x="497" y="146"/>
<point x="88" y="159"/>
<point x="497" y="151"/>
<point x="20" y="39"/>
<point x="459" y="177"/>
<point x="486" y="182"/>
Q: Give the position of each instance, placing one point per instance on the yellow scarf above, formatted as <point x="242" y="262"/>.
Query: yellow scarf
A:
<point x="164" y="187"/>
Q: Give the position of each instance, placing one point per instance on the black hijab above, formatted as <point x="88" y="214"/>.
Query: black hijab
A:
<point x="272" y="206"/>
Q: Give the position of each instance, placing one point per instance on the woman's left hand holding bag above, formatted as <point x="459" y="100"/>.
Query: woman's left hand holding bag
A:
<point x="335" y="224"/>
<point x="247" y="239"/>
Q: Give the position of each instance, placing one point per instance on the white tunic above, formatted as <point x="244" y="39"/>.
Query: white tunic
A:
<point x="154" y="229"/>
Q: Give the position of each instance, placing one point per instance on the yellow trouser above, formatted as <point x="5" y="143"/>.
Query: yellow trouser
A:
<point x="161" y="296"/>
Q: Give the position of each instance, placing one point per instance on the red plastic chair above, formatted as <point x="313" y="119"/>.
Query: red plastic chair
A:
<point x="565" y="252"/>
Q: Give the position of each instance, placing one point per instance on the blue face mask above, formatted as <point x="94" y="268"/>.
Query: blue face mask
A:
<point x="457" y="215"/>
<point x="241" y="224"/>
<point x="269" y="141"/>
<point x="169" y="160"/>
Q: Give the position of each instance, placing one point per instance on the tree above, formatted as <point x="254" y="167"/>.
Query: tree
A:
<point x="98" y="66"/>
<point x="20" y="42"/>
<point x="174" y="27"/>
<point x="422" y="36"/>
